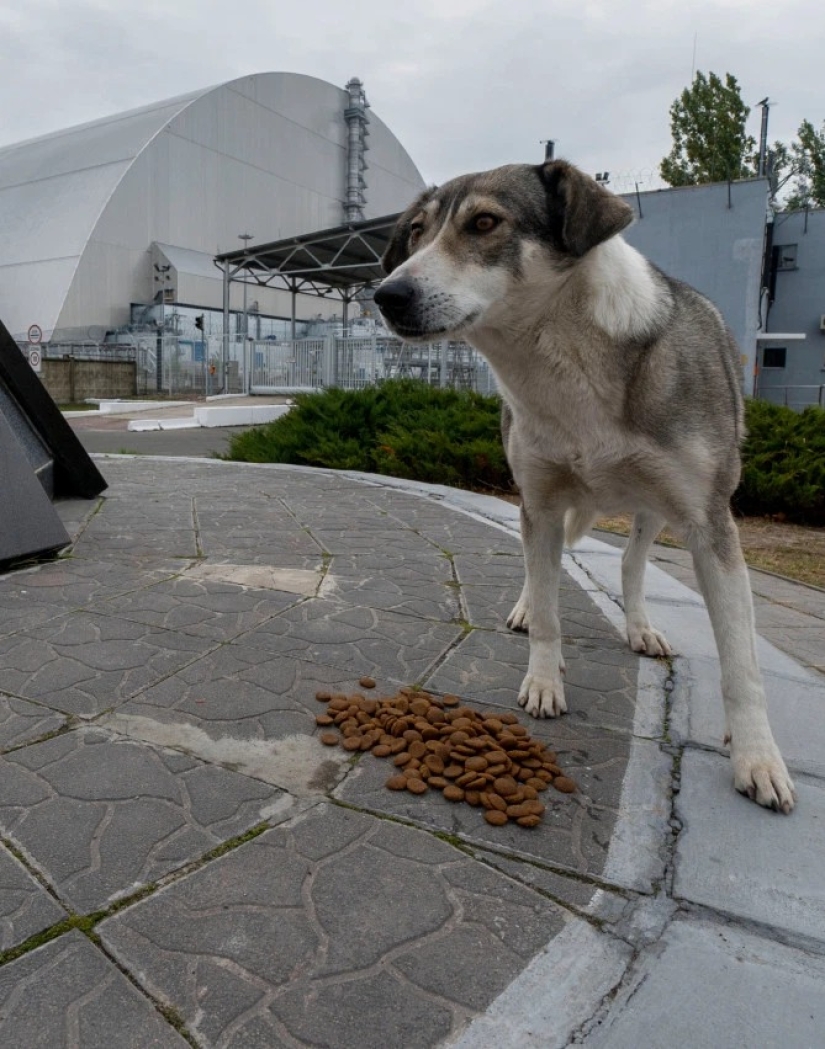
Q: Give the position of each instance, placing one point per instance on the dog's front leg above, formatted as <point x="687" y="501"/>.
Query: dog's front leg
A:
<point x="758" y="768"/>
<point x="542" y="534"/>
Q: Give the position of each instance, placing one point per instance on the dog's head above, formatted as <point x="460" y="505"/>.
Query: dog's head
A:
<point x="458" y="250"/>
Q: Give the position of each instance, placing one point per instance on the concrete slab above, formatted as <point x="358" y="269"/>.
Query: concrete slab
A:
<point x="545" y="1005"/>
<point x="68" y="994"/>
<point x="358" y="932"/>
<point x="25" y="906"/>
<point x="709" y="985"/>
<point x="743" y="860"/>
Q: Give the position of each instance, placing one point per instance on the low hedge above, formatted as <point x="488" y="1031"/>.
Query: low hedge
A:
<point x="401" y="428"/>
<point x="783" y="464"/>
<point x="407" y="429"/>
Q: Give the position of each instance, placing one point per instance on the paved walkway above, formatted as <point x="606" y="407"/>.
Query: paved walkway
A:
<point x="183" y="862"/>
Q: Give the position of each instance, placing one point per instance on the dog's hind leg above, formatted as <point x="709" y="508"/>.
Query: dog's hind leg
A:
<point x="519" y="618"/>
<point x="758" y="768"/>
<point x="542" y="691"/>
<point x="642" y="636"/>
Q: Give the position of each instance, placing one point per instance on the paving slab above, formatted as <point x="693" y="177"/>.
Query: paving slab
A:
<point x="67" y="994"/>
<point x="26" y="908"/>
<point x="337" y="930"/>
<point x="711" y="985"/>
<point x="731" y="858"/>
<point x="102" y="817"/>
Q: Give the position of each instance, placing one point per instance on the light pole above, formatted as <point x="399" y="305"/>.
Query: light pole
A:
<point x="245" y="237"/>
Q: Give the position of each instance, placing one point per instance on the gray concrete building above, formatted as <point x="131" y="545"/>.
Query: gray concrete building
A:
<point x="792" y="360"/>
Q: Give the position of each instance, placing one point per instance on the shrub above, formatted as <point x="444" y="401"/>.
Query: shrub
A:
<point x="401" y="428"/>
<point x="407" y="429"/>
<point x="783" y="464"/>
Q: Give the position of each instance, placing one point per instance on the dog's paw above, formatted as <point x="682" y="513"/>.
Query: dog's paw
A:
<point x="762" y="776"/>
<point x="543" y="697"/>
<point x="519" y="618"/>
<point x="648" y="641"/>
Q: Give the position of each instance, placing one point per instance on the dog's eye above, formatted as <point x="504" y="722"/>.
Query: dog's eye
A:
<point x="484" y="223"/>
<point x="416" y="230"/>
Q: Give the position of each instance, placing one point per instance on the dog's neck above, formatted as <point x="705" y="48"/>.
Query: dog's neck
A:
<point x="623" y="292"/>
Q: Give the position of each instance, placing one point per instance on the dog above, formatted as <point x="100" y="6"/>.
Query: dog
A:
<point x="621" y="393"/>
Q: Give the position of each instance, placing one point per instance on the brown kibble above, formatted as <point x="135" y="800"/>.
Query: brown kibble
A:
<point x="352" y="743"/>
<point x="419" y="707"/>
<point x="565" y="785"/>
<point x="417" y="748"/>
<point x="450" y="700"/>
<point x="497" y="802"/>
<point x="530" y="793"/>
<point x="323" y="697"/>
<point x="476" y="764"/>
<point x="453" y="793"/>
<point x="505" y="786"/>
<point x="440" y="782"/>
<point x="535" y="783"/>
<point x="495" y="817"/>
<point x="381" y="750"/>
<point x="329" y="739"/>
<point x="402" y="759"/>
<point x="434" y="763"/>
<point x="452" y="771"/>
<point x="528" y="821"/>
<point x="339" y="703"/>
<point x="472" y="797"/>
<point x="416" y="786"/>
<point x="324" y="719"/>
<point x="517" y="811"/>
<point x="366" y="682"/>
<point x="397" y="782"/>
<point x="508" y="719"/>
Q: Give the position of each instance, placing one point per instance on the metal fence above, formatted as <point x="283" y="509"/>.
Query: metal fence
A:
<point x="174" y="366"/>
<point x="796" y="397"/>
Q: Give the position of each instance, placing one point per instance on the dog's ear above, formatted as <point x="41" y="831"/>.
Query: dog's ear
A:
<point x="582" y="213"/>
<point x="398" y="247"/>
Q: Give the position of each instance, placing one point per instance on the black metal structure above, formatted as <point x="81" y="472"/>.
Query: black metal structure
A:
<point x="40" y="459"/>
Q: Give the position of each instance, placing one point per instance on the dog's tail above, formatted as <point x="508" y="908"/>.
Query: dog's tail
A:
<point x="577" y="523"/>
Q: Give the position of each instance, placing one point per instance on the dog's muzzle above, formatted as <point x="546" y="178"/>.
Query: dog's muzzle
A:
<point x="395" y="298"/>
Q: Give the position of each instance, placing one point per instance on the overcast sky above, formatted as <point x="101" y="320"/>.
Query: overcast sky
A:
<point x="464" y="84"/>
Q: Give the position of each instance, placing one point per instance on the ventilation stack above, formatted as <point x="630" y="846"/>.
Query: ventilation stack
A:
<point x="357" y="120"/>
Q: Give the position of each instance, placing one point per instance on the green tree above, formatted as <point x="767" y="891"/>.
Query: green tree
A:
<point x="806" y="159"/>
<point x="707" y="124"/>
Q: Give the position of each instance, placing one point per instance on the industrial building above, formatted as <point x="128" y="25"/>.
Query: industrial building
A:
<point x="109" y="224"/>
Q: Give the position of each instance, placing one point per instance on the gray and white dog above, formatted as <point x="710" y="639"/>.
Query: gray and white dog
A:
<point x="621" y="393"/>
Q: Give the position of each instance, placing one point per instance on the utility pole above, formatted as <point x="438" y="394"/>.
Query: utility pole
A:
<point x="763" y="137"/>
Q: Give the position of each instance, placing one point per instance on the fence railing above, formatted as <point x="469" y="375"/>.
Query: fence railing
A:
<point x="796" y="397"/>
<point x="174" y="366"/>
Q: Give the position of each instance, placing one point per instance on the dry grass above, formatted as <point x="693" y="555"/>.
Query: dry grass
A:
<point x="786" y="549"/>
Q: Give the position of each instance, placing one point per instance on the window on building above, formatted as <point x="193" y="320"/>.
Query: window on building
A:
<point x="785" y="256"/>
<point x="774" y="356"/>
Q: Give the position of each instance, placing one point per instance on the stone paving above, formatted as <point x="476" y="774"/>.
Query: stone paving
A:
<point x="183" y="863"/>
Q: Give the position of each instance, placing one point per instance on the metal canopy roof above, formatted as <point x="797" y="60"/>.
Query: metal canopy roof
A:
<point x="341" y="261"/>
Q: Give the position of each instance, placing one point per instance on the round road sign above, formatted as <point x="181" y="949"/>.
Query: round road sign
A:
<point x="35" y="333"/>
<point x="35" y="359"/>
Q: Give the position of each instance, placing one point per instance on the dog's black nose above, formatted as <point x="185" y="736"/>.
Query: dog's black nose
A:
<point x="393" y="297"/>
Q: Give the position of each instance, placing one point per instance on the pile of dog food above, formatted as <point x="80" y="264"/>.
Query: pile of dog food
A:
<point x="488" y="761"/>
